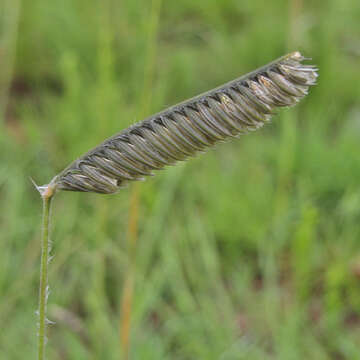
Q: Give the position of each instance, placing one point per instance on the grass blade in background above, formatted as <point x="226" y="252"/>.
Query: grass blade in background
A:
<point x="9" y="21"/>
<point x="132" y="231"/>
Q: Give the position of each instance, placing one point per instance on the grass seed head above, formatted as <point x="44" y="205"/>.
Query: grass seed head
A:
<point x="183" y="130"/>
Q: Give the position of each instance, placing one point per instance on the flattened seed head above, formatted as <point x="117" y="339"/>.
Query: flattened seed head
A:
<point x="183" y="130"/>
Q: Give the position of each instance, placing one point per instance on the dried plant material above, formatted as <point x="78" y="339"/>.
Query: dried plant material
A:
<point x="185" y="129"/>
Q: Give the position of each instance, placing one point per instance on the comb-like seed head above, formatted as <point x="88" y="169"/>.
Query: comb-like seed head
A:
<point x="240" y="106"/>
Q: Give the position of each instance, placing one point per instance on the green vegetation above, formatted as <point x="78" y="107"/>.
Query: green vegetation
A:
<point x="249" y="252"/>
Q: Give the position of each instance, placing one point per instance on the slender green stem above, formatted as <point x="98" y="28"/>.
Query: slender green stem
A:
<point x="46" y="193"/>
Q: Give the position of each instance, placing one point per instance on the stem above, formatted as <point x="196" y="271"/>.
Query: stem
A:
<point x="128" y="288"/>
<point x="46" y="193"/>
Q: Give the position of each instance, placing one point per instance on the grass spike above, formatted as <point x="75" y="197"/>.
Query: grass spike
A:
<point x="175" y="134"/>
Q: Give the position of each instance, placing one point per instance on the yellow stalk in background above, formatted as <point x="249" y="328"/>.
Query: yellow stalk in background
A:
<point x="132" y="231"/>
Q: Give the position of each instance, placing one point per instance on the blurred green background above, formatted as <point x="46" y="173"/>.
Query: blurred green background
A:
<point x="251" y="251"/>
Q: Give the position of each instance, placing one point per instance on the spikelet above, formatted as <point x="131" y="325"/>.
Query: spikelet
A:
<point x="183" y="130"/>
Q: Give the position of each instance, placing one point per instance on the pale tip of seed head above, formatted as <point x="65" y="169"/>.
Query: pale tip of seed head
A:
<point x="296" y="55"/>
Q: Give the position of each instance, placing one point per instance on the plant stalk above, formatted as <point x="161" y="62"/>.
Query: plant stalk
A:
<point x="129" y="279"/>
<point x="46" y="193"/>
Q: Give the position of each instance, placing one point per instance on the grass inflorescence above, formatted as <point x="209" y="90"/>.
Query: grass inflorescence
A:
<point x="240" y="106"/>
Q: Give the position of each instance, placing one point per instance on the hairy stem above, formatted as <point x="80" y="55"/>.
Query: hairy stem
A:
<point x="46" y="193"/>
